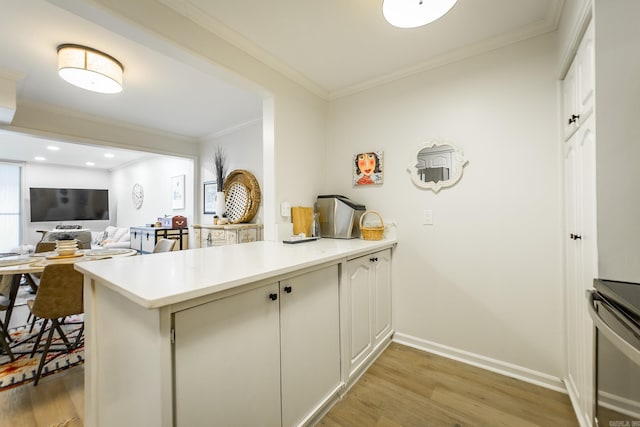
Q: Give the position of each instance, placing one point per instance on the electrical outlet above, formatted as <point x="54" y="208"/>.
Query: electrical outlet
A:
<point x="427" y="217"/>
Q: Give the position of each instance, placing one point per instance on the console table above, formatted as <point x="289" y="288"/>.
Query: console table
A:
<point x="144" y="239"/>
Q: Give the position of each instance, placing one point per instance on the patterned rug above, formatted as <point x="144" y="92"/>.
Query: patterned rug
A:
<point x="23" y="369"/>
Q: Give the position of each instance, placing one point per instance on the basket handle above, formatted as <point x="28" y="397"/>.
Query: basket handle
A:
<point x="371" y="212"/>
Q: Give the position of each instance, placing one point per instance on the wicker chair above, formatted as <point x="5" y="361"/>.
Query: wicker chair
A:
<point x="59" y="295"/>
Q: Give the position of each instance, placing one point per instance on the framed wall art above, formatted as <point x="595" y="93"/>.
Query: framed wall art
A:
<point x="177" y="192"/>
<point x="209" y="192"/>
<point x="368" y="168"/>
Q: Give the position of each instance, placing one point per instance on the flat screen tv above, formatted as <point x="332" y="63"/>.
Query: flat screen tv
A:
<point x="68" y="204"/>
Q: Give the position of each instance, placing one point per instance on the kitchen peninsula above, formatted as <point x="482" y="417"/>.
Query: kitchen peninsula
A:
<point x="260" y="333"/>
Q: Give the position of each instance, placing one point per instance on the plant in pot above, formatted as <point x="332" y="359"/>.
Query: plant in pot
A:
<point x="219" y="169"/>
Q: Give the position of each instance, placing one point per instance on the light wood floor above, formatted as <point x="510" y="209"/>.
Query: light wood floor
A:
<point x="404" y="387"/>
<point x="407" y="387"/>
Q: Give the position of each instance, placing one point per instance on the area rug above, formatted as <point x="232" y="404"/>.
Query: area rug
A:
<point x="23" y="369"/>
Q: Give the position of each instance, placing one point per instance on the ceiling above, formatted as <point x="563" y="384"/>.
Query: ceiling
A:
<point x="332" y="47"/>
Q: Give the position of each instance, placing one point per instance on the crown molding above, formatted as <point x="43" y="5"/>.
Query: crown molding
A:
<point x="215" y="26"/>
<point x="187" y="9"/>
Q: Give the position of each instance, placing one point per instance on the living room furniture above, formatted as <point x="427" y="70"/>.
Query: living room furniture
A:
<point x="227" y="234"/>
<point x="144" y="239"/>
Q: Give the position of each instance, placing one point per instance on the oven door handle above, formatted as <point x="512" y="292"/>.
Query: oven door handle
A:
<point x="629" y="350"/>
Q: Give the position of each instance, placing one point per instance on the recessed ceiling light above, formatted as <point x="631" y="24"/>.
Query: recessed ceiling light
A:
<point x="90" y="164"/>
<point x="108" y="155"/>
<point x="52" y="148"/>
<point x="39" y="158"/>
<point x="414" y="13"/>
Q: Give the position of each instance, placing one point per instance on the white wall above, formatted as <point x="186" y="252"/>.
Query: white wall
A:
<point x="41" y="175"/>
<point x="618" y="136"/>
<point x="486" y="277"/>
<point x="154" y="175"/>
<point x="244" y="150"/>
<point x="294" y="120"/>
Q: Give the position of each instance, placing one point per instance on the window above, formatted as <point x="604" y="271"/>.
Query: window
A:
<point x="10" y="212"/>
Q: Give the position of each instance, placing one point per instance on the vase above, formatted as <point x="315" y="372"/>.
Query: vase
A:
<point x="220" y="204"/>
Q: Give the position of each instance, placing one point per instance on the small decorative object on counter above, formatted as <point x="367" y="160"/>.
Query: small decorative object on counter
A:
<point x="215" y="220"/>
<point x="178" y="221"/>
<point x="369" y="232"/>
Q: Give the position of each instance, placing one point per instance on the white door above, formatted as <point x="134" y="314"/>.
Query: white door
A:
<point x="310" y="342"/>
<point x="581" y="267"/>
<point x="227" y="361"/>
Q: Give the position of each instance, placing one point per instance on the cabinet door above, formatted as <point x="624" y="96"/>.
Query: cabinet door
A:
<point x="581" y="261"/>
<point x="569" y="102"/>
<point x="359" y="308"/>
<point x="247" y="235"/>
<point x="585" y="70"/>
<point x="227" y="361"/>
<point x="310" y="341"/>
<point x="381" y="288"/>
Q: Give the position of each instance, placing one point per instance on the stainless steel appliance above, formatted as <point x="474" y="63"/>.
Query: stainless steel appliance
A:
<point x="615" y="310"/>
<point x="339" y="216"/>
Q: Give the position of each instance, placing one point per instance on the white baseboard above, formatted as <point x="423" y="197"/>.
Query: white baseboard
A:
<point x="493" y="365"/>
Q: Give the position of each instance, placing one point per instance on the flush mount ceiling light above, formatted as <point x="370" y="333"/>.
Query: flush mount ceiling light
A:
<point x="89" y="68"/>
<point x="414" y="13"/>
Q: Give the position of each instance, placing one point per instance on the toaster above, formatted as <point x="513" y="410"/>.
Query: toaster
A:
<point x="339" y="217"/>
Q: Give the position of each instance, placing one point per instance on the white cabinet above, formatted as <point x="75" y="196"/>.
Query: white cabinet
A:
<point x="367" y="297"/>
<point x="227" y="361"/>
<point x="310" y="342"/>
<point x="581" y="264"/>
<point x="578" y="86"/>
<point x="269" y="356"/>
<point x="228" y="234"/>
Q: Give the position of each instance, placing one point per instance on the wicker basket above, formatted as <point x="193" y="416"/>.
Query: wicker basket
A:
<point x="242" y="195"/>
<point x="372" y="233"/>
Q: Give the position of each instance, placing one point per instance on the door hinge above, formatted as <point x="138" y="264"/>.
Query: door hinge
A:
<point x="173" y="336"/>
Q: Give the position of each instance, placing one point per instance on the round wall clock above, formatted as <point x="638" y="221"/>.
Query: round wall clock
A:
<point x="137" y="195"/>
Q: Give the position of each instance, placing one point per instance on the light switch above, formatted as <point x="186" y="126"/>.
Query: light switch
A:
<point x="427" y="217"/>
<point x="285" y="209"/>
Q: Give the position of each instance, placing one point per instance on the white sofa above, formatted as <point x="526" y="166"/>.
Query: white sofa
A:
<point x="111" y="237"/>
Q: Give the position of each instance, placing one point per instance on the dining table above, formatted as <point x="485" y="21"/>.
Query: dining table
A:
<point x="14" y="266"/>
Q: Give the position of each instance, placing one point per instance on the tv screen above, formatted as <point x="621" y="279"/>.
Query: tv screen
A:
<point x="68" y="204"/>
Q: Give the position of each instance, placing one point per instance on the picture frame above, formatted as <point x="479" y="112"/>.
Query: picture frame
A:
<point x="368" y="168"/>
<point x="209" y="192"/>
<point x="177" y="192"/>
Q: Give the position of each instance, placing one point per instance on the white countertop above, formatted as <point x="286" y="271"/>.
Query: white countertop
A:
<point x="158" y="280"/>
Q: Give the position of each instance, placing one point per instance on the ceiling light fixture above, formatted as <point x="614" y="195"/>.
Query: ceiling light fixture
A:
<point x="89" y="68"/>
<point x="109" y="155"/>
<point x="90" y="164"/>
<point x="52" y="148"/>
<point x="39" y="158"/>
<point x="414" y="13"/>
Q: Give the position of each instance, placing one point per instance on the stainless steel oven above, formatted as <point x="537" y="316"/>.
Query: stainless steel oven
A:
<point x="615" y="310"/>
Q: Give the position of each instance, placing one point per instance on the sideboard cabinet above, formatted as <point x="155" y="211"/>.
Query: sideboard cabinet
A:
<point x="228" y="234"/>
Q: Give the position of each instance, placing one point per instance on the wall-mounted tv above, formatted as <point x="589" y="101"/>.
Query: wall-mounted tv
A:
<point x="68" y="204"/>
